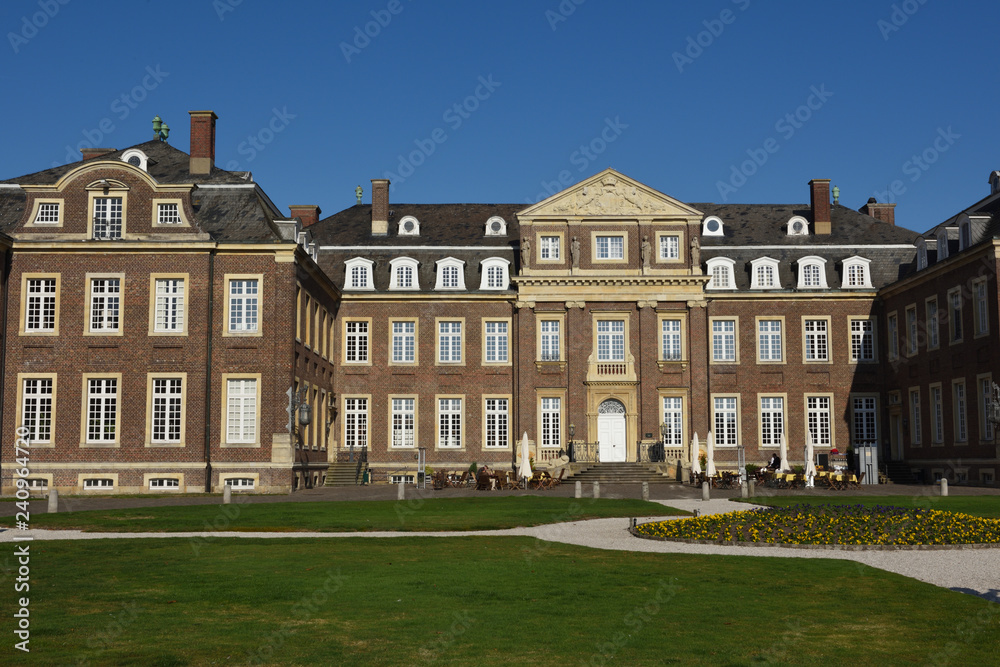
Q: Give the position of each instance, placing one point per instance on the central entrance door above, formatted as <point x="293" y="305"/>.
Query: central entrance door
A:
<point x="611" y="431"/>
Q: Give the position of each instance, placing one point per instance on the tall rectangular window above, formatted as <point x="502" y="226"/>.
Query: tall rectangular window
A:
<point x="449" y="423"/>
<point x="961" y="412"/>
<point x="937" y="414"/>
<point x="551" y="422"/>
<point x="772" y="420"/>
<point x="865" y="428"/>
<point x="769" y="340"/>
<point x="356" y="342"/>
<point x="550" y="340"/>
<point x="818" y="418"/>
<point x="355" y="422"/>
<point x="241" y="410"/>
<point x="105" y="301"/>
<point x="102" y="409"/>
<point x="108" y="218"/>
<point x="915" y="416"/>
<point x="610" y="247"/>
<point x="496" y="342"/>
<point x="893" y="328"/>
<point x="611" y="340"/>
<point x="450" y="342"/>
<point x="670" y="247"/>
<point x="985" y="409"/>
<point x="911" y="330"/>
<point x="982" y="308"/>
<point x="670" y="333"/>
<point x="404" y="338"/>
<point x="36" y="409"/>
<point x="40" y="309"/>
<point x="549" y="248"/>
<point x="449" y="277"/>
<point x="955" y="315"/>
<point x="816" y="342"/>
<point x="932" y="324"/>
<point x="169" y="308"/>
<point x="497" y="422"/>
<point x="723" y="340"/>
<point x="673" y="417"/>
<point x="726" y="434"/>
<point x="167" y="397"/>
<point x="403" y="422"/>
<point x="862" y="341"/>
<point x="243" y="307"/>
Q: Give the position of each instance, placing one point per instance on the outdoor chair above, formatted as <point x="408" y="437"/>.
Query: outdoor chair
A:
<point x="483" y="482"/>
<point x="854" y="482"/>
<point x="463" y="481"/>
<point x="555" y="481"/>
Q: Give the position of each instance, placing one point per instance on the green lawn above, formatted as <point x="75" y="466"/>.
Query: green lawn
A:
<point x="413" y="514"/>
<point x="478" y="600"/>
<point x="984" y="506"/>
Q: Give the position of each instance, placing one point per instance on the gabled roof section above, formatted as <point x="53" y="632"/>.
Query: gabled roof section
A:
<point x="610" y="193"/>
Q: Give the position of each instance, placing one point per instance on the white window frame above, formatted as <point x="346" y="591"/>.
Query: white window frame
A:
<point x="770" y="340"/>
<point x="450" y="422"/>
<point x="109" y="320"/>
<point x="671" y="343"/>
<point x="803" y="226"/>
<point x="356" y="421"/>
<point x="403" y="422"/>
<point x="357" y="341"/>
<point x="496" y="422"/>
<point x="48" y="213"/>
<point x="495" y="274"/>
<point x="864" y="418"/>
<point x="772" y="420"/>
<point x="921" y="255"/>
<point x="942" y="244"/>
<point x="816" y="340"/>
<point x="402" y="265"/>
<point x="38" y="408"/>
<point x="242" y="410"/>
<point x="168" y="213"/>
<point x="549" y="248"/>
<point x="672" y="414"/>
<point x="611" y="340"/>
<point x="669" y="247"/>
<point x="812" y="261"/>
<point x="863" y="347"/>
<point x="912" y="330"/>
<point x="403" y="344"/>
<point x="937" y="414"/>
<point x="857" y="273"/>
<point x="550" y="414"/>
<point x="244" y="305"/>
<point x="960" y="410"/>
<point x="103" y="401"/>
<point x="819" y="419"/>
<point x="981" y="312"/>
<point x="170" y="304"/>
<point x="496" y="341"/>
<point x="359" y="274"/>
<point x="985" y="383"/>
<point x="956" y="327"/>
<point x="609" y="247"/>
<point x="41" y="294"/>
<point x="401" y="229"/>
<point x="933" y="323"/>
<point x="717" y="267"/>
<point x="166" y="410"/>
<point x="706" y="224"/>
<point x="764" y="274"/>
<point x="724" y="332"/>
<point x="550" y="333"/>
<point x="450" y="274"/>
<point x="916" y="430"/>
<point x="450" y="336"/>
<point x="110" y="210"/>
<point x="164" y="483"/>
<point x="726" y="420"/>
<point x="501" y="231"/>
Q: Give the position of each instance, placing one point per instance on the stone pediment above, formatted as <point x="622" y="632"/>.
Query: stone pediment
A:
<point x="610" y="194"/>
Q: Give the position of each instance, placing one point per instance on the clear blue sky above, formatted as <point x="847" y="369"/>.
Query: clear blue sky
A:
<point x="676" y="95"/>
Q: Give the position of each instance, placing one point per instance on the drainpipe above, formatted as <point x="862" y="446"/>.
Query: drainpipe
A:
<point x="516" y="400"/>
<point x="208" y="372"/>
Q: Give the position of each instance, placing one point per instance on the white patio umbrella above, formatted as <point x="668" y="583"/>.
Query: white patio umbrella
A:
<point x="710" y="464"/>
<point x="525" y="469"/>
<point x="783" y="453"/>
<point x="810" y="466"/>
<point x="695" y="463"/>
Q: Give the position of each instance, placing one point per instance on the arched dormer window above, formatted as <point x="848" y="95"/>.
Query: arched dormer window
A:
<point x="856" y="273"/>
<point x="136" y="158"/>
<point x="942" y="244"/>
<point x="798" y="226"/>
<point x="764" y="274"/>
<point x="712" y="226"/>
<point x="450" y="274"/>
<point x="403" y="274"/>
<point x="921" y="255"/>
<point x="496" y="226"/>
<point x="408" y="226"/>
<point x="359" y="274"/>
<point x="812" y="273"/>
<point x="495" y="274"/>
<point x="721" y="270"/>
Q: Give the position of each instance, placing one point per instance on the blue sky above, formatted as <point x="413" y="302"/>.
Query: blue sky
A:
<point x="721" y="101"/>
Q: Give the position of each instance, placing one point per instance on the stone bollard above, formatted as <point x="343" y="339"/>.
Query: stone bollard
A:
<point x="645" y="491"/>
<point x="744" y="490"/>
<point x="53" y="501"/>
<point x="579" y="490"/>
<point x="401" y="491"/>
<point x="597" y="490"/>
<point x="227" y="494"/>
<point x="705" y="495"/>
<point x="944" y="487"/>
<point x="753" y="487"/>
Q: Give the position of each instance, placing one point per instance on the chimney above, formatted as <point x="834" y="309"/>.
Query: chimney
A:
<point x="883" y="212"/>
<point x="819" y="191"/>
<point x="380" y="206"/>
<point x="307" y="213"/>
<point x="202" y="141"/>
<point x="91" y="153"/>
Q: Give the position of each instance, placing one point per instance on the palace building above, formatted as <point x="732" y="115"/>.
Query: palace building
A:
<point x="168" y="328"/>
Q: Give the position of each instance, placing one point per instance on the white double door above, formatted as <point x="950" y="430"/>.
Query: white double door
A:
<point x="611" y="437"/>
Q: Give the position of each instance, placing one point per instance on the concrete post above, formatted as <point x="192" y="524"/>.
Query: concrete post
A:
<point x="705" y="495"/>
<point x="579" y="490"/>
<point x="744" y="490"/>
<point x="227" y="494"/>
<point x="944" y="487"/>
<point x="401" y="491"/>
<point x="753" y="487"/>
<point x="597" y="489"/>
<point x="53" y="501"/>
<point x="645" y="490"/>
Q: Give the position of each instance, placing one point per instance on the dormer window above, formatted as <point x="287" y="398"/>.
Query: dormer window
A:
<point x="721" y="270"/>
<point x="409" y="226"/>
<point x="812" y="273"/>
<point x="921" y="255"/>
<point x="942" y="244"/>
<point x="403" y="274"/>
<point x="496" y="226"/>
<point x="856" y="274"/>
<point x="450" y="274"/>
<point x="495" y="274"/>
<point x="48" y="213"/>
<point x="964" y="235"/>
<point x="712" y="226"/>
<point x="764" y="273"/>
<point x="798" y="226"/>
<point x="359" y="274"/>
<point x="136" y="158"/>
<point x="168" y="214"/>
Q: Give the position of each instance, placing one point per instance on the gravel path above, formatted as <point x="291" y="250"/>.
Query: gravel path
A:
<point x="972" y="571"/>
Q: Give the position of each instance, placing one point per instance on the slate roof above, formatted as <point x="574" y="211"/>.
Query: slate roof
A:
<point x="440" y="225"/>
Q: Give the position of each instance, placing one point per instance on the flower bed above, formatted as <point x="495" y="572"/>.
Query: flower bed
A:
<point x="831" y="525"/>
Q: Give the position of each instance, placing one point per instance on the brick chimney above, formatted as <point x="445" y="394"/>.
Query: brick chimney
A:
<point x="91" y="153"/>
<point x="819" y="192"/>
<point x="380" y="206"/>
<point x="307" y="213"/>
<point x="202" y="141"/>
<point x="883" y="212"/>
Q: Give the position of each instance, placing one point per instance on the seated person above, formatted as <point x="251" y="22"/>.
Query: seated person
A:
<point x="774" y="463"/>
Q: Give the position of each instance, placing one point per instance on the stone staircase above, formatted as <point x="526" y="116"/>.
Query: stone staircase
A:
<point x="619" y="473"/>
<point x="341" y="473"/>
